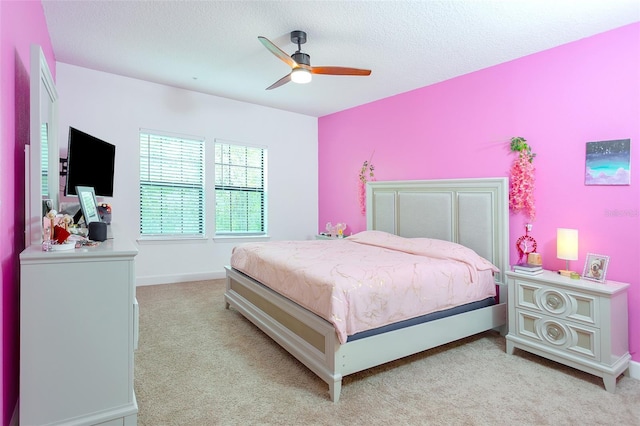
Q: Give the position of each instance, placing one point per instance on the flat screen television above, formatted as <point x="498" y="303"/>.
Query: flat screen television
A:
<point x="90" y="162"/>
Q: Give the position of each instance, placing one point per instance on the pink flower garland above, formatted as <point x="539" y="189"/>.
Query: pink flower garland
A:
<point x="522" y="179"/>
<point x="367" y="169"/>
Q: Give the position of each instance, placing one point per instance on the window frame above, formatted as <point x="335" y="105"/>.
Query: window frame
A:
<point x="231" y="235"/>
<point x="197" y="186"/>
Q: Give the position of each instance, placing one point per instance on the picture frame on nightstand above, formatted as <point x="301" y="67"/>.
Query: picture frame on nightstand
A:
<point x="595" y="267"/>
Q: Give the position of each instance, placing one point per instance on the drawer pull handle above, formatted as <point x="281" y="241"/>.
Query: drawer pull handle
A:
<point x="554" y="332"/>
<point x="553" y="301"/>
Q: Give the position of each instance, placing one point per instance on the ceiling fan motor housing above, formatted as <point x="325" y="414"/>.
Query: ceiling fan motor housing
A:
<point x="301" y="58"/>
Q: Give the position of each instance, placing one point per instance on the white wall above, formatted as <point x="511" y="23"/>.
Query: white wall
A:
<point x="114" y="108"/>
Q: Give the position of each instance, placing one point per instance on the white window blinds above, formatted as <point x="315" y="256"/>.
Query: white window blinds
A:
<point x="171" y="186"/>
<point x="44" y="159"/>
<point x="240" y="189"/>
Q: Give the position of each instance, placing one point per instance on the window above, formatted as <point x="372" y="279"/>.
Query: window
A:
<point x="240" y="189"/>
<point x="171" y="186"/>
<point x="44" y="159"/>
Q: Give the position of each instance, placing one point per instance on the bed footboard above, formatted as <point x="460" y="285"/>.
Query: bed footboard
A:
<point x="313" y="341"/>
<point x="306" y="336"/>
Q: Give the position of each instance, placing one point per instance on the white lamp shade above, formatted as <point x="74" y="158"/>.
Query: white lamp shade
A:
<point x="567" y="244"/>
<point x="301" y="75"/>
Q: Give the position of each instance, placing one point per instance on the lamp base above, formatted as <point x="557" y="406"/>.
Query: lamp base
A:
<point x="565" y="272"/>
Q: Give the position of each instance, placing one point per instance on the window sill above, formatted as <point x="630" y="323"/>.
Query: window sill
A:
<point x="240" y="238"/>
<point x="171" y="240"/>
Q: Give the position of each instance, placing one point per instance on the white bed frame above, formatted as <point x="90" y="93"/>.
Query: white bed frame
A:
<point x="472" y="212"/>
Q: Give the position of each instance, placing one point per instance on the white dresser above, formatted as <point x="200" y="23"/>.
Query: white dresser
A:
<point x="579" y="323"/>
<point x="78" y="331"/>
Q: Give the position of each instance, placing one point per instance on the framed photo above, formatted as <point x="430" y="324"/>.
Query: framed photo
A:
<point x="595" y="267"/>
<point x="87" y="197"/>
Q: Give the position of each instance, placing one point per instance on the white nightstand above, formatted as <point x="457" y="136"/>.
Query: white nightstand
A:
<point x="579" y="323"/>
<point x="326" y="237"/>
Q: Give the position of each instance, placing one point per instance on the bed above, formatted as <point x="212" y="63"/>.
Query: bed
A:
<point x="469" y="212"/>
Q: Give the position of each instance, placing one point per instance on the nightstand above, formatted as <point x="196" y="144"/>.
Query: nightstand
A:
<point x="327" y="237"/>
<point x="579" y="323"/>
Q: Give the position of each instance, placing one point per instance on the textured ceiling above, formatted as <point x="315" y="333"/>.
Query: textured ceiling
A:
<point x="212" y="46"/>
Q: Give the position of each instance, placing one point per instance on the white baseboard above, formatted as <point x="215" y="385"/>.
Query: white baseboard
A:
<point x="178" y="278"/>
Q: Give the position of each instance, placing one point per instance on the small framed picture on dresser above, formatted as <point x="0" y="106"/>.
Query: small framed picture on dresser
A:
<point x="595" y="267"/>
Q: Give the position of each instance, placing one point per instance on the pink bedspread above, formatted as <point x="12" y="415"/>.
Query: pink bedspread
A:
<point x="370" y="279"/>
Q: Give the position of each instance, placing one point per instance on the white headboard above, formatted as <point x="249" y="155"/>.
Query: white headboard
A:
<point x="471" y="212"/>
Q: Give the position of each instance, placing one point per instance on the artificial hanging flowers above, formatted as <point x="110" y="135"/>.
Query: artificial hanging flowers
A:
<point x="522" y="179"/>
<point x="366" y="174"/>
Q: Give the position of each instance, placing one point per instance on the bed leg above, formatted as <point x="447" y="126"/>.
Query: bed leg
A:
<point x="334" y="390"/>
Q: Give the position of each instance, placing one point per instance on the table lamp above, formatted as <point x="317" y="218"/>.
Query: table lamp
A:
<point x="567" y="247"/>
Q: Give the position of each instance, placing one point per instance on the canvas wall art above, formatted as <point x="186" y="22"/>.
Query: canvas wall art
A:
<point x="608" y="162"/>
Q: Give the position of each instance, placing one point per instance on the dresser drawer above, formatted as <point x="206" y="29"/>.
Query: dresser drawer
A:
<point x="566" y="336"/>
<point x="557" y="302"/>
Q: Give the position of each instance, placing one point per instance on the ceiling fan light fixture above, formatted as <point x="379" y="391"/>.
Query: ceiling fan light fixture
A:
<point x="301" y="75"/>
<point x="300" y="63"/>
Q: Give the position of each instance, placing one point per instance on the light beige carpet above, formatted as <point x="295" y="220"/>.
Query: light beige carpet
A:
<point x="200" y="364"/>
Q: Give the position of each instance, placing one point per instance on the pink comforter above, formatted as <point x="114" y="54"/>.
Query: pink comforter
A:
<point x="370" y="279"/>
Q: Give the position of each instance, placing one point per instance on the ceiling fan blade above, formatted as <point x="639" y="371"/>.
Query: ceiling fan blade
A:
<point x="283" y="80"/>
<point x="277" y="51"/>
<point x="339" y="71"/>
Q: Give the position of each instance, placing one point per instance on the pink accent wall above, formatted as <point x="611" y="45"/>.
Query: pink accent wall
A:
<point x="558" y="100"/>
<point x="22" y="23"/>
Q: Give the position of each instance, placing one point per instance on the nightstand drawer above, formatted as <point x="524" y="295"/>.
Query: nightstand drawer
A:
<point x="565" y="336"/>
<point x="557" y="302"/>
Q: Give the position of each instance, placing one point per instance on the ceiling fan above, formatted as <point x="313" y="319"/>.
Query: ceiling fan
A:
<point x="300" y="63"/>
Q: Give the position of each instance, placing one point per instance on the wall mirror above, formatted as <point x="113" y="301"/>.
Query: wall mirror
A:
<point x="42" y="155"/>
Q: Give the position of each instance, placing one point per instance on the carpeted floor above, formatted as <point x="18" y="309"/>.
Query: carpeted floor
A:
<point x="200" y="364"/>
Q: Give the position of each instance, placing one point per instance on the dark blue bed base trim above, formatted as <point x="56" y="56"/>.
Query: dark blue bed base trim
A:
<point x="424" y="318"/>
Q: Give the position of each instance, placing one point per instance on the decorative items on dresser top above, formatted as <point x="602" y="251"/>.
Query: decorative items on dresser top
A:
<point x="576" y="322"/>
<point x="78" y="333"/>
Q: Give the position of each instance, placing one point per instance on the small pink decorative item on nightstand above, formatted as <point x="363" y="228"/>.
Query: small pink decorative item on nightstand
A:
<point x="337" y="230"/>
<point x="526" y="245"/>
